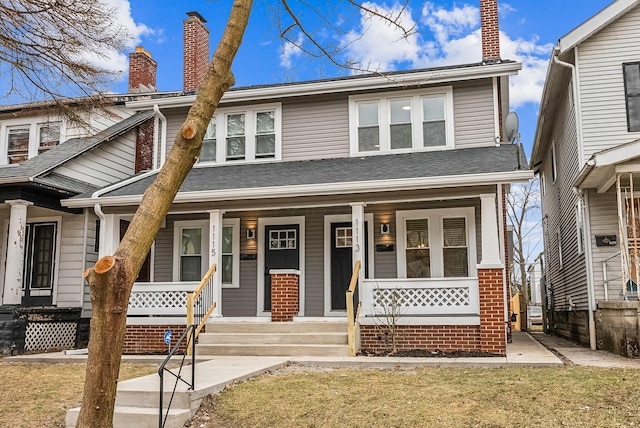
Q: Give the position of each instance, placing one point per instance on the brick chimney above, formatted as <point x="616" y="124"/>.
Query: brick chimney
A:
<point x="142" y="71"/>
<point x="196" y="51"/>
<point x="490" y="31"/>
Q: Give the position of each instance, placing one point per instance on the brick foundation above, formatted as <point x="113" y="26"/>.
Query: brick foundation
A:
<point x="149" y="339"/>
<point x="492" y="327"/>
<point x="446" y="338"/>
<point x="284" y="296"/>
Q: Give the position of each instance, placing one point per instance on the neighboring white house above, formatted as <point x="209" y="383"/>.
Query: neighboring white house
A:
<point x="587" y="155"/>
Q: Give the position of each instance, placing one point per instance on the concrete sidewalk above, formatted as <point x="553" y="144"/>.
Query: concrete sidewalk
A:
<point x="523" y="351"/>
<point x="583" y="355"/>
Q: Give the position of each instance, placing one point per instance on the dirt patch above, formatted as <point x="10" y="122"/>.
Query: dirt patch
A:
<point x="424" y="353"/>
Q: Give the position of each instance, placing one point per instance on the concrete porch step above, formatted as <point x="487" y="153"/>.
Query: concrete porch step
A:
<point x="289" y="350"/>
<point x="316" y="338"/>
<point x="137" y="399"/>
<point x="139" y="417"/>
<point x="277" y="327"/>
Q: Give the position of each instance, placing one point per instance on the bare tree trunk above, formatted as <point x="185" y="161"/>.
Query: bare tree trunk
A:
<point x="112" y="278"/>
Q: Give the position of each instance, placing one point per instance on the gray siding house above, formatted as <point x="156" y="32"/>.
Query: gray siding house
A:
<point x="404" y="172"/>
<point x="585" y="152"/>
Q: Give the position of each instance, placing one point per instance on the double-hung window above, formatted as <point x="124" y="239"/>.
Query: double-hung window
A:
<point x="437" y="243"/>
<point x="191" y="251"/>
<point x="396" y="122"/>
<point x="632" y="94"/>
<point x="247" y="134"/>
<point x="21" y="140"/>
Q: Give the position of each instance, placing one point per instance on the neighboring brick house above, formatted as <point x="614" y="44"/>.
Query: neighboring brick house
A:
<point x="586" y="154"/>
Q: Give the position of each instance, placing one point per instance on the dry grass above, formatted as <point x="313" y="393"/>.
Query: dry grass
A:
<point x="38" y="395"/>
<point x="526" y="397"/>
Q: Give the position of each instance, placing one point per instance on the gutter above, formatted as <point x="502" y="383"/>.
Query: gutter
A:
<point x="277" y="91"/>
<point x="323" y="189"/>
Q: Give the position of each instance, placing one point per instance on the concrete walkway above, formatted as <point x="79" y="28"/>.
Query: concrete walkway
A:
<point x="584" y="356"/>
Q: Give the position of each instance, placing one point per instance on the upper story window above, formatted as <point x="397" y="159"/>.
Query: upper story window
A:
<point x="20" y="140"/>
<point x="554" y="163"/>
<point x="632" y="94"/>
<point x="402" y="122"/>
<point x="243" y="134"/>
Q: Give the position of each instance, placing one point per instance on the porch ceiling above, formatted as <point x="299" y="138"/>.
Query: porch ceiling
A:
<point x="435" y="169"/>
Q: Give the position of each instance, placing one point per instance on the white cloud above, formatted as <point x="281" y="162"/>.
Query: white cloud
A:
<point x="379" y="44"/>
<point x="444" y="36"/>
<point x="119" y="61"/>
<point x="291" y="50"/>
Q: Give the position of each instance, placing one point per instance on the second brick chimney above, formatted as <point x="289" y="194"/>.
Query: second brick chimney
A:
<point x="490" y="31"/>
<point x="196" y="51"/>
<point x="142" y="71"/>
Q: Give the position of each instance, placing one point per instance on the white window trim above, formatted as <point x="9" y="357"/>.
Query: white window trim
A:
<point x="235" y="224"/>
<point x="56" y="266"/>
<point x="384" y="119"/>
<point x="250" y="112"/>
<point x="204" y="250"/>
<point x="33" y="125"/>
<point x="559" y="247"/>
<point x="436" y="244"/>
<point x="580" y="227"/>
<point x="554" y="162"/>
<point x="204" y="224"/>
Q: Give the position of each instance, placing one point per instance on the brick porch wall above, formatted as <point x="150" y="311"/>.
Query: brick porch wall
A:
<point x="149" y="339"/>
<point x="492" y="327"/>
<point x="285" y="296"/>
<point x="430" y="337"/>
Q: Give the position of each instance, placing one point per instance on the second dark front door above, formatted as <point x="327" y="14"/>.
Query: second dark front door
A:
<point x="282" y="251"/>
<point x="342" y="262"/>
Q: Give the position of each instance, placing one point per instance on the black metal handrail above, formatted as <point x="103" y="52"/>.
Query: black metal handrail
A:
<point x="188" y="336"/>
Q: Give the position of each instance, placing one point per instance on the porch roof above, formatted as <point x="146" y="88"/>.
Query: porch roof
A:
<point x="407" y="171"/>
<point x="39" y="169"/>
<point x="599" y="172"/>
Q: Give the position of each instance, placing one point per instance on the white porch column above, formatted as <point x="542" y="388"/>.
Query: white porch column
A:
<point x="357" y="225"/>
<point x="12" y="294"/>
<point x="109" y="235"/>
<point x="215" y="256"/>
<point x="490" y="236"/>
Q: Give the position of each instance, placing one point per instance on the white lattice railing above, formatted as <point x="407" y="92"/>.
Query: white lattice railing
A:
<point x="421" y="297"/>
<point x="160" y="298"/>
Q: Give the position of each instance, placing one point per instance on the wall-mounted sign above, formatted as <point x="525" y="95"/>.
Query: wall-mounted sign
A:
<point x="606" y="240"/>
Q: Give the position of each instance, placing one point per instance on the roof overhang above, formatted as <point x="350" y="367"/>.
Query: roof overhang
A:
<point x="359" y="83"/>
<point x="595" y="23"/>
<point x="323" y="189"/>
<point x="599" y="172"/>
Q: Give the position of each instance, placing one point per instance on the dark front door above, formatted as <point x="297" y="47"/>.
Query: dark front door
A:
<point x="282" y="251"/>
<point x="39" y="259"/>
<point x="342" y="262"/>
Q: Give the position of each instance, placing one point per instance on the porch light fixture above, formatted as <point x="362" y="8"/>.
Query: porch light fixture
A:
<point x="251" y="234"/>
<point x="384" y="229"/>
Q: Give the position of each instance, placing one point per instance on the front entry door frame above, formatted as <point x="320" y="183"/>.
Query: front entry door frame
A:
<point x="342" y="218"/>
<point x="269" y="221"/>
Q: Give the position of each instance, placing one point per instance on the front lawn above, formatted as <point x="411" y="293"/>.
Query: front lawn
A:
<point x="522" y="397"/>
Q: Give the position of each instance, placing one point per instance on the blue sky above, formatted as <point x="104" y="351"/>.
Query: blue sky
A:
<point x="446" y="33"/>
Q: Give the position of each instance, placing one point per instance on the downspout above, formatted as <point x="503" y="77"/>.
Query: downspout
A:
<point x="163" y="139"/>
<point x="85" y="238"/>
<point x="588" y="254"/>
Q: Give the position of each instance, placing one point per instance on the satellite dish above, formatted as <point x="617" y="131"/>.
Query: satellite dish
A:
<point x="511" y="126"/>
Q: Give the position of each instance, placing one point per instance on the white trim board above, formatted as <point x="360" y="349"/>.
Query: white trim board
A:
<point x="269" y="221"/>
<point x="340" y="218"/>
